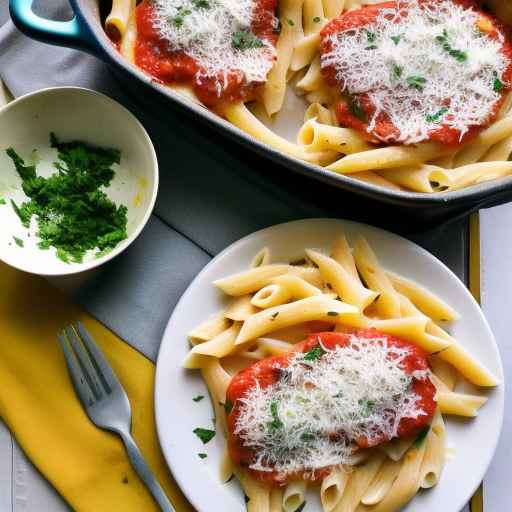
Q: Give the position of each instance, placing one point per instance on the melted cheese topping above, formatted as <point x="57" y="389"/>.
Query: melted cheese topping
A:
<point x="355" y="391"/>
<point x="204" y="30"/>
<point x="411" y="63"/>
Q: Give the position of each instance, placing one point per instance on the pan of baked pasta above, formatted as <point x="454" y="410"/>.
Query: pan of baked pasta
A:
<point x="407" y="101"/>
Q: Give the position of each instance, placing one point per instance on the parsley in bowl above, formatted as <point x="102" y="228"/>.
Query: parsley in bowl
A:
<point x="78" y="180"/>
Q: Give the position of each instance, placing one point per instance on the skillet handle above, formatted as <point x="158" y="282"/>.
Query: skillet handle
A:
<point x="72" y="33"/>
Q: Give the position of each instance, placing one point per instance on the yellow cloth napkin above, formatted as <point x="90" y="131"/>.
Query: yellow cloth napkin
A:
<point x="86" y="465"/>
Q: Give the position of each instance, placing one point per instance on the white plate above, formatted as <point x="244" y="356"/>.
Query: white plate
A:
<point x="472" y="442"/>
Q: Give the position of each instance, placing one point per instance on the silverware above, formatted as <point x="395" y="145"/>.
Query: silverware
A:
<point x="104" y="399"/>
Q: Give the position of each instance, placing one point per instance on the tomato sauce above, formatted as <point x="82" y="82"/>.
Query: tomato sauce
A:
<point x="384" y="129"/>
<point x="154" y="55"/>
<point x="268" y="371"/>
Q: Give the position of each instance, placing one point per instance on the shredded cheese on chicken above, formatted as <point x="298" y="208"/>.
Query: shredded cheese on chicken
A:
<point x="422" y="64"/>
<point x="311" y="418"/>
<point x="204" y="30"/>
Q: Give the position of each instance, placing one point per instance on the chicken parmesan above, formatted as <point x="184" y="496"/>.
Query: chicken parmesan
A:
<point x="417" y="70"/>
<point x="222" y="49"/>
<point x="300" y="414"/>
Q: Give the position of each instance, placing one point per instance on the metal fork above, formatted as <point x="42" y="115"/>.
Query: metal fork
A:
<point x="104" y="400"/>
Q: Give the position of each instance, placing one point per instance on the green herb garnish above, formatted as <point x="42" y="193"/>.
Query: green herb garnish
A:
<point x="204" y="434"/>
<point x="202" y="455"/>
<point x="290" y="22"/>
<point x="366" y="407"/>
<point x="73" y="213"/>
<point x="432" y="118"/>
<point x="301" y="507"/>
<point x="421" y="437"/>
<point x="314" y="354"/>
<point x="276" y="423"/>
<point x="198" y="398"/>
<point x="497" y="85"/>
<point x="316" y="19"/>
<point x="418" y="82"/>
<point x="356" y="110"/>
<point x="245" y="40"/>
<point x="307" y="436"/>
<point x="201" y="4"/>
<point x="395" y="39"/>
<point x="2" y="201"/>
<point x="332" y="313"/>
<point x="371" y="37"/>
<point x="453" y="52"/>
<point x="19" y="241"/>
<point x="179" y="19"/>
<point x="397" y="71"/>
<point x="228" y="406"/>
<point x="274" y="315"/>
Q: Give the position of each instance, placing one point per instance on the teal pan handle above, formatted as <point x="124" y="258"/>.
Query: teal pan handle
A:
<point x="72" y="33"/>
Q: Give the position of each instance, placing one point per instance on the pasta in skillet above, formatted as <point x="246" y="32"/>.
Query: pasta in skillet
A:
<point x="334" y="374"/>
<point x="406" y="94"/>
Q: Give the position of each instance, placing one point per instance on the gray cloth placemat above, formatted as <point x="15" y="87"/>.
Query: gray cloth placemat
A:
<point x="212" y="192"/>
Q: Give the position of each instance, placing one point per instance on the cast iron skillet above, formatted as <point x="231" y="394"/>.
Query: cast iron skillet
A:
<point x="85" y="32"/>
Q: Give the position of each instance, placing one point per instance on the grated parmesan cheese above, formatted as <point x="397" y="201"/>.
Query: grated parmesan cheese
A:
<point x="406" y="42"/>
<point x="323" y="406"/>
<point x="205" y="32"/>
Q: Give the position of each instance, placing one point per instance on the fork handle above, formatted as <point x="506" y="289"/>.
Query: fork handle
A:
<point x="145" y="473"/>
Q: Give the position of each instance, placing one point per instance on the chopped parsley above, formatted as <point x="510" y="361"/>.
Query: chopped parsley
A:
<point x="432" y="118"/>
<point x="245" y="40"/>
<point x="316" y="19"/>
<point x="301" y="507"/>
<point x="397" y="71"/>
<point x="497" y="84"/>
<point x="19" y="241"/>
<point x="202" y="455"/>
<point x="307" y="436"/>
<point x="421" y="437"/>
<point x="395" y="39"/>
<point x="73" y="213"/>
<point x="201" y="4"/>
<point x="371" y="37"/>
<point x="179" y="19"/>
<point x="366" y="407"/>
<point x="417" y="82"/>
<point x="2" y="201"/>
<point x="290" y="22"/>
<point x="356" y="110"/>
<point x="314" y="354"/>
<point x="198" y="398"/>
<point x="204" y="434"/>
<point x="453" y="52"/>
<point x="228" y="406"/>
<point x="276" y="422"/>
<point x="274" y="315"/>
<point x="332" y="313"/>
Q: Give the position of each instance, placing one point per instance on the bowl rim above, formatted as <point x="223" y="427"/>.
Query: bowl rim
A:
<point x="477" y="196"/>
<point x="76" y="268"/>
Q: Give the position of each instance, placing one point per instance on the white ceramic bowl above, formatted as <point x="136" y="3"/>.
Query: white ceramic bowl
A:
<point x="72" y="114"/>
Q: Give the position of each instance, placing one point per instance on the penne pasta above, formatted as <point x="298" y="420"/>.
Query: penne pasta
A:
<point x="431" y="305"/>
<point x="479" y="173"/>
<point x="305" y="50"/>
<point x="332" y="488"/>
<point x="388" y="303"/>
<point x="459" y="404"/>
<point x="305" y="310"/>
<point x="358" y="483"/>
<point x="435" y="453"/>
<point x="291" y="30"/>
<point x="341" y="252"/>
<point x="276" y="499"/>
<point x="294" y="496"/>
<point x="315" y="136"/>
<point x="419" y="178"/>
<point x="241" y="309"/>
<point x="319" y="113"/>
<point x="343" y="284"/>
<point x="445" y="372"/>
<point x="312" y="80"/>
<point x="257" y="494"/>
<point x="386" y="158"/>
<point x="397" y="448"/>
<point x="209" y="329"/>
<point x="382" y="482"/>
<point x="375" y="179"/>
<point x="117" y="21"/>
<point x="261" y="258"/>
